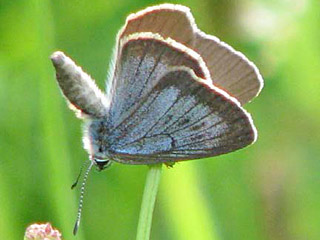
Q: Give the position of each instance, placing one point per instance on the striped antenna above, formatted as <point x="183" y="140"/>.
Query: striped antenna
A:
<point x="85" y="177"/>
<point x="79" y="175"/>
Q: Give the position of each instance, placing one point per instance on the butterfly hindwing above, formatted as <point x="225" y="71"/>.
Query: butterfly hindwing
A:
<point x="181" y="118"/>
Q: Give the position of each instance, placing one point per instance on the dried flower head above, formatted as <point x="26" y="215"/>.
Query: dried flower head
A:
<point x="42" y="232"/>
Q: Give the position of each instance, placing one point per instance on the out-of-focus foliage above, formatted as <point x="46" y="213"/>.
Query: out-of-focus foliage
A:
<point x="267" y="191"/>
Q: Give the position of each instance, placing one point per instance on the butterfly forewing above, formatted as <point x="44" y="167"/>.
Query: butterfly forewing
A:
<point x="230" y="70"/>
<point x="181" y="118"/>
<point x="143" y="59"/>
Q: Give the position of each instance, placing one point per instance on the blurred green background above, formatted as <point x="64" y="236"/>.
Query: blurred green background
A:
<point x="270" y="190"/>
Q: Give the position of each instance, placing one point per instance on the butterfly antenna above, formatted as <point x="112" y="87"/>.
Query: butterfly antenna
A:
<point x="76" y="182"/>
<point x="76" y="226"/>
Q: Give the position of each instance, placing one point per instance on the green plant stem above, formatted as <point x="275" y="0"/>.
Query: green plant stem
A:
<point x="148" y="201"/>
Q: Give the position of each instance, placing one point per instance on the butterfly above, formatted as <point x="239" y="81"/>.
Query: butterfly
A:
<point x="174" y="93"/>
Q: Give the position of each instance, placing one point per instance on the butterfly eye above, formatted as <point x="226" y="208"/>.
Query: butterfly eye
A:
<point x="102" y="163"/>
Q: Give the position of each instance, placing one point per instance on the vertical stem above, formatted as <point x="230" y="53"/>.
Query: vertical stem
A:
<point x="148" y="201"/>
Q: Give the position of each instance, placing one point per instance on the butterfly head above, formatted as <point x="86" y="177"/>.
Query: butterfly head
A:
<point x="96" y="143"/>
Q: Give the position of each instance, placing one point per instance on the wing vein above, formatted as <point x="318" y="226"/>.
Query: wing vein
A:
<point x="147" y="79"/>
<point x="190" y="109"/>
<point x="220" y="136"/>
